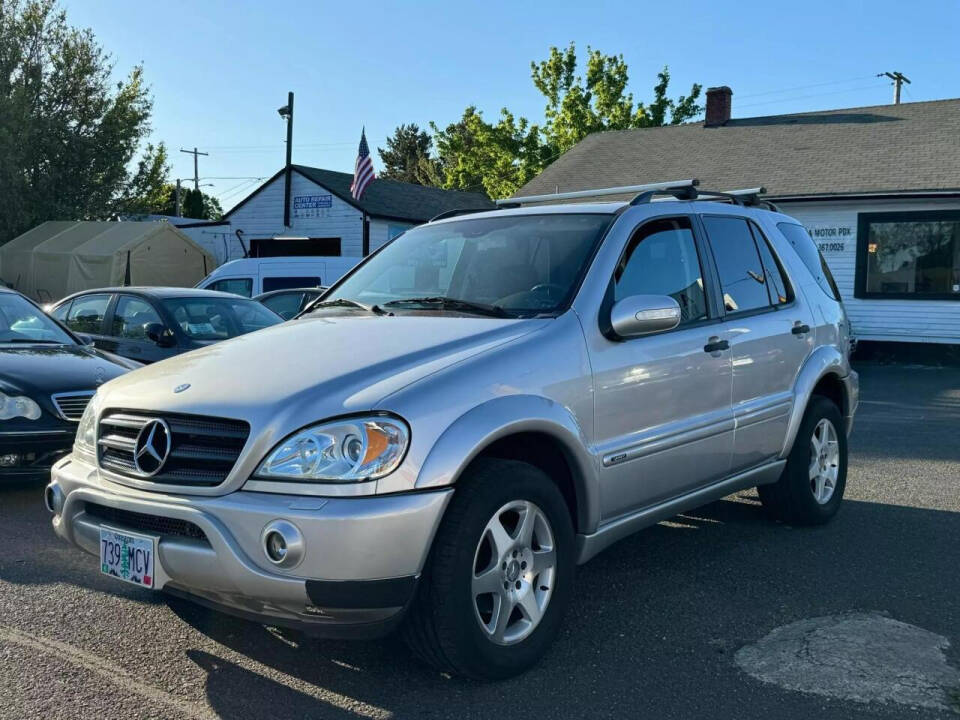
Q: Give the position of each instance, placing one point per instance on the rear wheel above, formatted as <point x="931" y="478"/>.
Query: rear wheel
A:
<point x="810" y="490"/>
<point x="494" y="590"/>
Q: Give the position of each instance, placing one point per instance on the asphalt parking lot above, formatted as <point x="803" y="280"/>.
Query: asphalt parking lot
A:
<point x="671" y="623"/>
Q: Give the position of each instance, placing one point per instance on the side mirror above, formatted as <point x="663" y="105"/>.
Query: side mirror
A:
<point x="644" y="314"/>
<point x="159" y="334"/>
<point x="84" y="339"/>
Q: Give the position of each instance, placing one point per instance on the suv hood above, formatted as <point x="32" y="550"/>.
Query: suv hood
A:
<point x="314" y="367"/>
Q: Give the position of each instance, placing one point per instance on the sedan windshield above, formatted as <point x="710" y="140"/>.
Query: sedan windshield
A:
<point x="202" y="318"/>
<point x="21" y="322"/>
<point x="518" y="265"/>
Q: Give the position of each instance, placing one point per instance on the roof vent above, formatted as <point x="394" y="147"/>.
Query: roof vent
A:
<point x="719" y="100"/>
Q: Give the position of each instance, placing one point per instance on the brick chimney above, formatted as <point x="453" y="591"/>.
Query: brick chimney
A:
<point x="719" y="100"/>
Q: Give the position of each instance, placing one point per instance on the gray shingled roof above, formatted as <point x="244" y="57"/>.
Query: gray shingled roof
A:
<point x="395" y="199"/>
<point x="885" y="148"/>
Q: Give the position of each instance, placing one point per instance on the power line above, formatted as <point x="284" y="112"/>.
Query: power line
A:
<point x="807" y="87"/>
<point x="813" y="95"/>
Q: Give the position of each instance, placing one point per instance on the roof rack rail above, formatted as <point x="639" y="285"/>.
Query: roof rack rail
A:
<point x="600" y="192"/>
<point x="460" y="211"/>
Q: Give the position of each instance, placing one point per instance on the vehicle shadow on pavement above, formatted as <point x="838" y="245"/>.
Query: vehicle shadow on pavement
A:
<point x="654" y="616"/>
<point x="276" y="699"/>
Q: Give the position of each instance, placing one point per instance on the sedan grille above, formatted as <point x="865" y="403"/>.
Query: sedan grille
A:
<point x="71" y="405"/>
<point x="202" y="450"/>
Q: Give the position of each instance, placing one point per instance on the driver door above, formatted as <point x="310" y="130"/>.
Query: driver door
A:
<point x="664" y="421"/>
<point x="131" y="315"/>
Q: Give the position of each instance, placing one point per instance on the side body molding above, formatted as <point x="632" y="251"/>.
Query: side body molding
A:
<point x="825" y="360"/>
<point x="476" y="429"/>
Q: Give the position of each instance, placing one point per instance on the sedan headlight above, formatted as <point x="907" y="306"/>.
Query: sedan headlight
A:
<point x="16" y="406"/>
<point x="85" y="442"/>
<point x="348" y="450"/>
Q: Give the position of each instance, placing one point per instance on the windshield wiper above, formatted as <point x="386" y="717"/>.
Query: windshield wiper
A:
<point x="448" y="303"/>
<point x="347" y="302"/>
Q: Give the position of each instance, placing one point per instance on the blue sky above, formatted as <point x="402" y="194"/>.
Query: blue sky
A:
<point x="219" y="69"/>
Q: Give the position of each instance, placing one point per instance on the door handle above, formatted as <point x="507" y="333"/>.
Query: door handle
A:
<point x="715" y="344"/>
<point x="800" y="328"/>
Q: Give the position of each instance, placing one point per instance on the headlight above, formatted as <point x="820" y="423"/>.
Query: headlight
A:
<point x="85" y="442"/>
<point x="348" y="450"/>
<point x="14" y="406"/>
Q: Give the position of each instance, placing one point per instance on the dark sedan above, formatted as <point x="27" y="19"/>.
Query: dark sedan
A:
<point x="289" y="302"/>
<point x="149" y="324"/>
<point x="47" y="377"/>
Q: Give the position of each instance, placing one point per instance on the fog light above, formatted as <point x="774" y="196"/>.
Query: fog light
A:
<point x="9" y="460"/>
<point x="282" y="543"/>
<point x="53" y="498"/>
<point x="276" y="547"/>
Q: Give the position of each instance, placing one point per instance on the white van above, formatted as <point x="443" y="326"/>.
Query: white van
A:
<point x="252" y="276"/>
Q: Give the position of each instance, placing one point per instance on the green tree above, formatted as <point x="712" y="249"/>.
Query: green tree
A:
<point x="493" y="157"/>
<point x="407" y="156"/>
<point x="68" y="133"/>
<point x="474" y="154"/>
<point x="197" y="204"/>
<point x="580" y="105"/>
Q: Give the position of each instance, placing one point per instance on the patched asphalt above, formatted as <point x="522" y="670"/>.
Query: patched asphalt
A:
<point x="655" y="628"/>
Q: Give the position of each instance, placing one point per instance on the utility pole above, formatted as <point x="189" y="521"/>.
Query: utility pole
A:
<point x="178" y="198"/>
<point x="898" y="80"/>
<point x="286" y="112"/>
<point x="196" y="175"/>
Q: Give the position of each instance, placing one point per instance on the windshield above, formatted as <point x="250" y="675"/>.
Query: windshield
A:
<point x="22" y="322"/>
<point x="519" y="264"/>
<point x="203" y="318"/>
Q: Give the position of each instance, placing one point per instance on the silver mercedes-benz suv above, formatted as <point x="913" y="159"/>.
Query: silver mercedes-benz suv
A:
<point x="483" y="404"/>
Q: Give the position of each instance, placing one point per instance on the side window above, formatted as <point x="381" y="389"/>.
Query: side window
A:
<point x="130" y="317"/>
<point x="742" y="277"/>
<point x="286" y="305"/>
<point x="662" y="259"/>
<point x="60" y="313"/>
<point x="86" y="313"/>
<point x="285" y="283"/>
<point x="237" y="286"/>
<point x="811" y="257"/>
<point x="777" y="285"/>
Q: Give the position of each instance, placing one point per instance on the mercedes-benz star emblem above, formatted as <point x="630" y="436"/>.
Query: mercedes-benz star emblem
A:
<point x="152" y="447"/>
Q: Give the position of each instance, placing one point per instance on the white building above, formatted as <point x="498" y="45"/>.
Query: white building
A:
<point x="324" y="219"/>
<point x="877" y="187"/>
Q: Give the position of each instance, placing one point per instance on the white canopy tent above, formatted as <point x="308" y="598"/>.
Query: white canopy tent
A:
<point x="57" y="258"/>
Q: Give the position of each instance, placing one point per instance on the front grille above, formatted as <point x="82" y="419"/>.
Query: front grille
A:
<point x="203" y="450"/>
<point x="71" y="405"/>
<point x="145" y="523"/>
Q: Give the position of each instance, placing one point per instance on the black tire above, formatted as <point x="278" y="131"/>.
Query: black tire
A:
<point x="791" y="499"/>
<point x="442" y="627"/>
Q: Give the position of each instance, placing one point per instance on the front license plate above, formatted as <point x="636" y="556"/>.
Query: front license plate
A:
<point x="127" y="556"/>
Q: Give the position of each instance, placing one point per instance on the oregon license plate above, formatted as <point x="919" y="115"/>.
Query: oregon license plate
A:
<point x="127" y="556"/>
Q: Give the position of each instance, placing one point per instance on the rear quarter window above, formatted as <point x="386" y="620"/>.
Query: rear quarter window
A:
<point x="811" y="257"/>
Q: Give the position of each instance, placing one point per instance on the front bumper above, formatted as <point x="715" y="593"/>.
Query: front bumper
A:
<point x="360" y="563"/>
<point x="35" y="451"/>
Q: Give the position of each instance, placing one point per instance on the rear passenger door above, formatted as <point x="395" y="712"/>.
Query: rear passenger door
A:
<point x="769" y="331"/>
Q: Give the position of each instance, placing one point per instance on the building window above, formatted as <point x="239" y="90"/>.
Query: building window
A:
<point x="909" y="255"/>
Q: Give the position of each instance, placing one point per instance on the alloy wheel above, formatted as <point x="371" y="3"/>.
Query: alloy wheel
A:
<point x="824" y="461"/>
<point x="514" y="572"/>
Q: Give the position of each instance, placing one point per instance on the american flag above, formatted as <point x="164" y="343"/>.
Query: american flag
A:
<point x="363" y="173"/>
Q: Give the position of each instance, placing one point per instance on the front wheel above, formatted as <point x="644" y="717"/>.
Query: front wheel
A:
<point x="494" y="590"/>
<point x="811" y="488"/>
